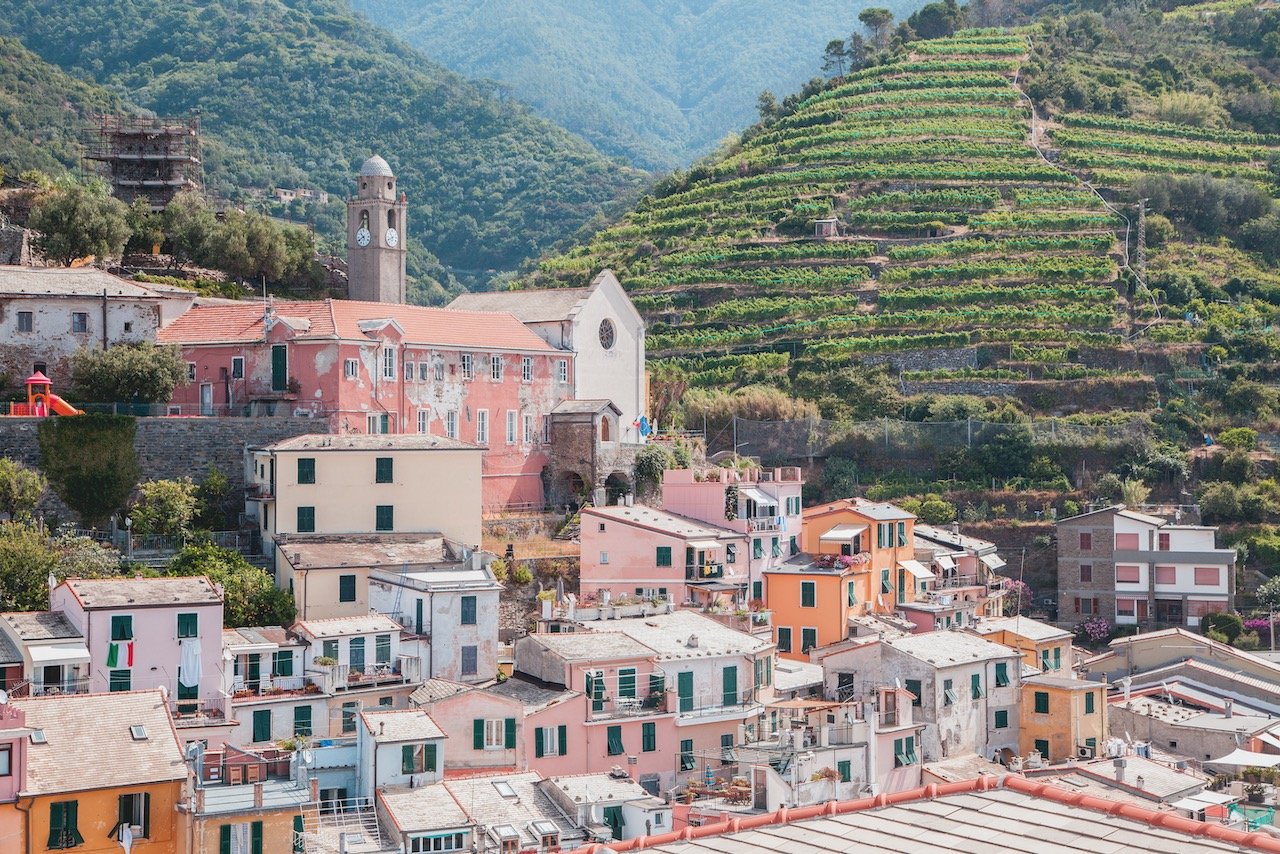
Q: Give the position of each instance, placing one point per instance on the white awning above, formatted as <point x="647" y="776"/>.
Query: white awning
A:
<point x="992" y="562"/>
<point x="1247" y="758"/>
<point x="59" y="654"/>
<point x="757" y="496"/>
<point x="917" y="569"/>
<point x="1202" y="800"/>
<point x="842" y="533"/>
<point x="246" y="648"/>
<point x="1268" y="738"/>
<point x="704" y="544"/>
<point x="945" y="561"/>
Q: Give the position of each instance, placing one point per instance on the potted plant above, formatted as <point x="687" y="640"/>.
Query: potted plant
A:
<point x="325" y="661"/>
<point x="1255" y="792"/>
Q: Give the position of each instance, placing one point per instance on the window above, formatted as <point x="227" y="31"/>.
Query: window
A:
<point x="784" y="639"/>
<point x="526" y="368"/>
<point x="79" y="321"/>
<point x="262" y="725"/>
<point x="1042" y="747"/>
<point x="63" y="829"/>
<point x="648" y="737"/>
<point x="469" y="657"/>
<point x="1042" y="702"/>
<point x="349" y="710"/>
<point x="306" y="520"/>
<point x="975" y="686"/>
<point x="550" y="741"/>
<point x="528" y="429"/>
<point x="731" y="554"/>
<point x="686" y="754"/>
<point x="904" y="751"/>
<point x="121" y="627"/>
<point x="188" y="625"/>
<point x="388" y="363"/>
<point x="663" y="556"/>
<point x="1002" y="719"/>
<point x="466" y="366"/>
<point x="808" y="639"/>
<point x="511" y="426"/>
<point x="191" y="371"/>
<point x="282" y="662"/>
<point x="794" y="546"/>
<point x="1166" y="575"/>
<point x="120" y="680"/>
<point x="886" y="582"/>
<point x="1086" y="541"/>
<point x="237" y="367"/>
<point x="1088" y="703"/>
<point x="350" y="368"/>
<point x="383" y="470"/>
<point x="1126" y="541"/>
<point x="417" y="758"/>
<point x="1057" y="658"/>
<point x="902" y="534"/>
<point x="757" y="548"/>
<point x="384" y="517"/>
<point x="546" y="431"/>
<point x="495" y="367"/>
<point x="845" y="769"/>
<point x="1002" y="674"/>
<point x="562" y="370"/>
<point x="373" y="424"/>
<point x="604" y="557"/>
<point x="1126" y="607"/>
<point x="1086" y="606"/>
<point x="1086" y="573"/>
<point x="1208" y="576"/>
<point x="948" y="693"/>
<point x="808" y="594"/>
<point x="726" y="748"/>
<point x="916" y="689"/>
<point x="615" y="741"/>
<point x="302" y="720"/>
<point x="451" y="424"/>
<point x="329" y="649"/>
<point x="410" y="371"/>
<point x="382" y="649"/>
<point x="24" y="321"/>
<point x="306" y="469"/>
<point x="1128" y="574"/>
<point x="482" y="426"/>
<point x="135" y="810"/>
<point x="6" y="761"/>
<point x="468" y="610"/>
<point x="774" y="548"/>
<point x="424" y="417"/>
<point x="346" y="588"/>
<point x="424" y="371"/>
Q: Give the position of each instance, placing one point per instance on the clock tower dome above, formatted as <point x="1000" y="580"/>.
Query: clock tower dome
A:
<point x="376" y="236"/>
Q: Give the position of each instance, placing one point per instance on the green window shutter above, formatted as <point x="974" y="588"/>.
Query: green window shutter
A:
<point x="1057" y="658"/>
<point x="757" y="589"/>
<point x="562" y="739"/>
<point x="729" y="686"/>
<point x="306" y="470"/>
<point x="255" y="838"/>
<point x="330" y="649"/>
<point x="663" y="557"/>
<point x="684" y="690"/>
<point x="808" y="594"/>
<point x="1002" y="719"/>
<point x="279" y="367"/>
<point x="656" y="684"/>
<point x="382" y="649"/>
<point x="1002" y="674"/>
<point x="648" y="736"/>
<point x="468" y="610"/>
<point x="121" y="627"/>
<point x="784" y="639"/>
<point x="406" y="759"/>
<point x="432" y="757"/>
<point x="914" y="686"/>
<point x="346" y="588"/>
<point x="1042" y="702"/>
<point x="298" y="847"/>
<point x="1044" y="659"/>
<point x="262" y="725"/>
<point x="477" y="734"/>
<point x="385" y="517"/>
<point x="224" y="839"/>
<point x="539" y="747"/>
<point x="1088" y="703"/>
<point x="615" y="741"/>
<point x="382" y="470"/>
<point x="627" y="682"/>
<point x="302" y="720"/>
<point x="886" y="584"/>
<point x="757" y="548"/>
<point x="845" y="767"/>
<point x="120" y="680"/>
<point x="306" y="520"/>
<point x="686" y="754"/>
<point x="188" y="625"/>
<point x="57" y="824"/>
<point x="188" y="692"/>
<point x="282" y="663"/>
<point x="808" y="639"/>
<point x="768" y="670"/>
<point x="851" y="593"/>
<point x="1042" y="746"/>
<point x="509" y="733"/>
<point x="975" y="686"/>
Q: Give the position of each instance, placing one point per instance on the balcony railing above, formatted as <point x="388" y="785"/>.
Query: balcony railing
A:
<point x="762" y="523"/>
<point x="629" y="707"/>
<point x="338" y="677"/>
<point x="694" y="572"/>
<point x="709" y="704"/>
<point x="62" y="686"/>
<point x="204" y="712"/>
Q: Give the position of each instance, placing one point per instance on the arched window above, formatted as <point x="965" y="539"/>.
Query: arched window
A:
<point x="604" y="429"/>
<point x="391" y="219"/>
<point x="364" y="219"/>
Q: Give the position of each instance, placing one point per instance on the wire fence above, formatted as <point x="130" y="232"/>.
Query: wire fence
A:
<point x="816" y="437"/>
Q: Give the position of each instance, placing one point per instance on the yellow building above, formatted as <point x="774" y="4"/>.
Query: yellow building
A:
<point x="1042" y="646"/>
<point x="99" y="767"/>
<point x="249" y="802"/>
<point x="1062" y="718"/>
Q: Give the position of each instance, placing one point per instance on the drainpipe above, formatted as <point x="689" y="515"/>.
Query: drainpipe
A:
<point x="104" y="318"/>
<point x="17" y="804"/>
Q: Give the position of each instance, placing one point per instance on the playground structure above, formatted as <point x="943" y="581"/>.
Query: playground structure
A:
<point x="41" y="401"/>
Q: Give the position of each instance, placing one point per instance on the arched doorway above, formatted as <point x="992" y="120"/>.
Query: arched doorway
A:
<point x="606" y="432"/>
<point x="617" y="487"/>
<point x="572" y="486"/>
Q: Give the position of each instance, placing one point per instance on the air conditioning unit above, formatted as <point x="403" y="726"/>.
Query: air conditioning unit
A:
<point x="1084" y="752"/>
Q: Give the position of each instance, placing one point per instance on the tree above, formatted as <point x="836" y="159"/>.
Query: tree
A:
<point x="78" y="221"/>
<point x="90" y="462"/>
<point x="1134" y="493"/>
<point x="651" y="462"/>
<point x="146" y="228"/>
<point x="26" y="562"/>
<point x="20" y="489"/>
<point x="189" y="222"/>
<point x="212" y="495"/>
<point x="1269" y="592"/>
<point x="936" y="20"/>
<point x="879" y="23"/>
<point x="767" y="106"/>
<point x="128" y="373"/>
<point x="1239" y="438"/>
<point x="833" y="58"/>
<point x="1229" y="625"/>
<point x="165" y="508"/>
<point x="250" y="597"/>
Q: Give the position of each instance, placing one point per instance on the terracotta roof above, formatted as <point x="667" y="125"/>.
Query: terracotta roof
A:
<point x="243" y="323"/>
<point x="89" y="744"/>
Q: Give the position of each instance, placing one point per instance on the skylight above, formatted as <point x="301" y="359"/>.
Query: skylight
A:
<point x="505" y="831"/>
<point x="139" y="732"/>
<point x="544" y="828"/>
<point x="37" y="737"/>
<point x="504" y="789"/>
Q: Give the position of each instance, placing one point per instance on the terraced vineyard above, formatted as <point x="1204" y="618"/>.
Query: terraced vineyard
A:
<point x="943" y="228"/>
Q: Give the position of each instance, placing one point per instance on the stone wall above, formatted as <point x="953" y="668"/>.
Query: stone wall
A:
<point x="932" y="359"/>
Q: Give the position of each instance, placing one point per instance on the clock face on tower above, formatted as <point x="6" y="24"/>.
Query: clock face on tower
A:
<point x="362" y="236"/>
<point x="392" y="237"/>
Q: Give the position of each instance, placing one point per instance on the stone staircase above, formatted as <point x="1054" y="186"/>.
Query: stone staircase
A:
<point x="344" y="827"/>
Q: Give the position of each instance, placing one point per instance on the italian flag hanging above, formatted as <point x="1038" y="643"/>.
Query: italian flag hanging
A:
<point x="114" y="654"/>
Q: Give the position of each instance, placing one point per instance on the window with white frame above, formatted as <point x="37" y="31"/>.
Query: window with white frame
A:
<point x="373" y="424"/>
<point x="495" y="734"/>
<point x="604" y="557"/>
<point x="482" y="426"/>
<point x="423" y="369"/>
<point x="410" y="371"/>
<point x="466" y="366"/>
<point x="388" y="363"/>
<point x="438" y="842"/>
<point x="528" y="429"/>
<point x="495" y="367"/>
<point x="237" y="367"/>
<point x="191" y="371"/>
<point x="511" y="426"/>
<point x="423" y="417"/>
<point x="526" y="368"/>
<point x="562" y="370"/>
<point x="439" y="371"/>
<point x="451" y="424"/>
<point x="546" y="431"/>
<point x="351" y="369"/>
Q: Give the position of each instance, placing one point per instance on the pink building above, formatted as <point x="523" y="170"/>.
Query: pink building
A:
<point x="650" y="553"/>
<point x="146" y="633"/>
<point x="479" y="377"/>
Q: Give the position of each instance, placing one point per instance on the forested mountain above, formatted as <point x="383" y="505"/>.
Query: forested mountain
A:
<point x="975" y="245"/>
<point x="300" y="92"/>
<point x="657" y="81"/>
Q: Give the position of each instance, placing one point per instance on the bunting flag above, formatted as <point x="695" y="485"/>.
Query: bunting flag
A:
<point x="114" y="654"/>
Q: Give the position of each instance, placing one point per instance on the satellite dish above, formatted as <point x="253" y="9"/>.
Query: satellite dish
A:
<point x="4" y="697"/>
<point x="307" y="756"/>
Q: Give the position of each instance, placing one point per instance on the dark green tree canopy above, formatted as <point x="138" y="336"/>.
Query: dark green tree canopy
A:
<point x="90" y="462"/>
<point x="128" y="373"/>
<point x="79" y="220"/>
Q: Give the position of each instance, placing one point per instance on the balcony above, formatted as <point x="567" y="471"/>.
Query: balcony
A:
<point x="693" y="572"/>
<point x="270" y="686"/>
<point x="629" y="707"/>
<point x="40" y="688"/>
<point x="198" y="713"/>
<point x="756" y="524"/>
<point x="343" y="677"/>
<point x="712" y="707"/>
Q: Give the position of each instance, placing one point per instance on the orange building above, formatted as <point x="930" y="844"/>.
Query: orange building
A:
<point x="1062" y="718"/>
<point x="100" y="767"/>
<point x="1045" y="647"/>
<point x="880" y="537"/>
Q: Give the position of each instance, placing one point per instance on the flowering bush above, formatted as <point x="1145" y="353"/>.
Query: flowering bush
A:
<point x="1095" y="630"/>
<point x="1017" y="597"/>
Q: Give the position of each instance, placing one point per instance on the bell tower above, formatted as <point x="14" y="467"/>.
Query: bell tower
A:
<point x="376" y="235"/>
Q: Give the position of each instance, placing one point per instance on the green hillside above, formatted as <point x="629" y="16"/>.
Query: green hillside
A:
<point x="301" y="91"/>
<point x="973" y="251"/>
<point x="659" y="82"/>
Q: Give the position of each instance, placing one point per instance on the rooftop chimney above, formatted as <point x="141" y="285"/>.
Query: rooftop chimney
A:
<point x="692" y="643"/>
<point x="1227" y="703"/>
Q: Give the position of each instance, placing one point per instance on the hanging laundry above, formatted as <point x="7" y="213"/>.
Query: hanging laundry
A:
<point x="120" y="654"/>
<point x="189" y="663"/>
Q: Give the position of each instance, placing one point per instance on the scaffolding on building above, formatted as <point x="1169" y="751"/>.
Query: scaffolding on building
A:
<point x="154" y="158"/>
